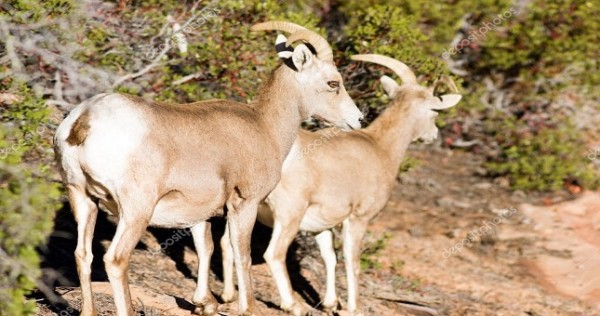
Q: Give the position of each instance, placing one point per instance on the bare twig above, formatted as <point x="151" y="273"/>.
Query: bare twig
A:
<point x="194" y="16"/>
<point x="186" y="79"/>
<point x="63" y="105"/>
<point x="167" y="41"/>
<point x="155" y="62"/>
<point x="162" y="31"/>
<point x="9" y="44"/>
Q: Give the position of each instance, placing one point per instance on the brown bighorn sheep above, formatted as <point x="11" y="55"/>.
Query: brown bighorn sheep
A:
<point x="152" y="163"/>
<point x="346" y="179"/>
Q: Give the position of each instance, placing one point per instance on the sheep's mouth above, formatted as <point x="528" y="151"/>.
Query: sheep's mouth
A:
<point x="343" y="125"/>
<point x="349" y="127"/>
<point x="323" y="121"/>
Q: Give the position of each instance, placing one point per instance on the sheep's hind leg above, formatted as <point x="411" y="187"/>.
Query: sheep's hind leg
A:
<point x="240" y="218"/>
<point x="132" y="224"/>
<point x="205" y="302"/>
<point x="227" y="255"/>
<point x="85" y="212"/>
<point x="353" y="232"/>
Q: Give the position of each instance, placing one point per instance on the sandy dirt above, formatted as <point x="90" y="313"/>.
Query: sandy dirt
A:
<point x="460" y="244"/>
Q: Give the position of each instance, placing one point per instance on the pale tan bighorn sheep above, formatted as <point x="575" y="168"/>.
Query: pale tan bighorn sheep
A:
<point x="152" y="163"/>
<point x="347" y="179"/>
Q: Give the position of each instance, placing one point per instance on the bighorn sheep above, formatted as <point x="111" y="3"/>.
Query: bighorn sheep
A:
<point x="346" y="179"/>
<point x="176" y="166"/>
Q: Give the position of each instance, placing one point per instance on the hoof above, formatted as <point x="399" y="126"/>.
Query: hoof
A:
<point x="87" y="313"/>
<point x="346" y="313"/>
<point x="298" y="309"/>
<point x="248" y="313"/>
<point x="206" y="307"/>
<point x="228" y="298"/>
<point x="332" y="308"/>
<point x="208" y="310"/>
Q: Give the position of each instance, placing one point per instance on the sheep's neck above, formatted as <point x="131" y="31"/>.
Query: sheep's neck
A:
<point x="278" y="105"/>
<point x="393" y="131"/>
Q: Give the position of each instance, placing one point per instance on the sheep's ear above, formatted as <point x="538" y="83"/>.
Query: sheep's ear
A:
<point x="448" y="101"/>
<point x="283" y="51"/>
<point x="390" y="86"/>
<point x="302" y="57"/>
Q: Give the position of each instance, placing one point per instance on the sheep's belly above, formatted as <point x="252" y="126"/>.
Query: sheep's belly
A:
<point x="176" y="210"/>
<point x="315" y="223"/>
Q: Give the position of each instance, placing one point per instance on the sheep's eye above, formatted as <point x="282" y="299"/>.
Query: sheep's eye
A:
<point x="333" y="84"/>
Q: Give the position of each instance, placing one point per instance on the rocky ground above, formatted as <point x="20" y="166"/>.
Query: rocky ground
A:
<point x="457" y="244"/>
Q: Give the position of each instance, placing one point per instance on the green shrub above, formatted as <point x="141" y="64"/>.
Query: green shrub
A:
<point x="546" y="51"/>
<point x="28" y="201"/>
<point x="385" y="30"/>
<point x="29" y="11"/>
<point x="537" y="53"/>
<point x="543" y="160"/>
<point x="408" y="163"/>
<point x="371" y="250"/>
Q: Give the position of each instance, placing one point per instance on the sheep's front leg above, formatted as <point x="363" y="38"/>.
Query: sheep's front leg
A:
<point x="353" y="233"/>
<point x="132" y="224"/>
<point x="325" y="242"/>
<point x="240" y="218"/>
<point x="284" y="231"/>
<point x="205" y="302"/>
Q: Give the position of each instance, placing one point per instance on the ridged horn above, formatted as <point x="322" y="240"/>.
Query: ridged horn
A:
<point x="322" y="48"/>
<point x="320" y="44"/>
<point x="400" y="68"/>
<point x="277" y="26"/>
<point x="448" y="81"/>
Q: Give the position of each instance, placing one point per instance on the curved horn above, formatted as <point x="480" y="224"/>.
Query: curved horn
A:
<point x="277" y="25"/>
<point x="400" y="68"/>
<point x="320" y="44"/>
<point x="448" y="81"/>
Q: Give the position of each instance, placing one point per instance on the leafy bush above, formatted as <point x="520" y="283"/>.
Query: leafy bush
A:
<point x="408" y="163"/>
<point x="385" y="30"/>
<point x="514" y="76"/>
<point x="27" y="199"/>
<point x="543" y="161"/>
<point x="372" y="249"/>
<point x="545" y="51"/>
